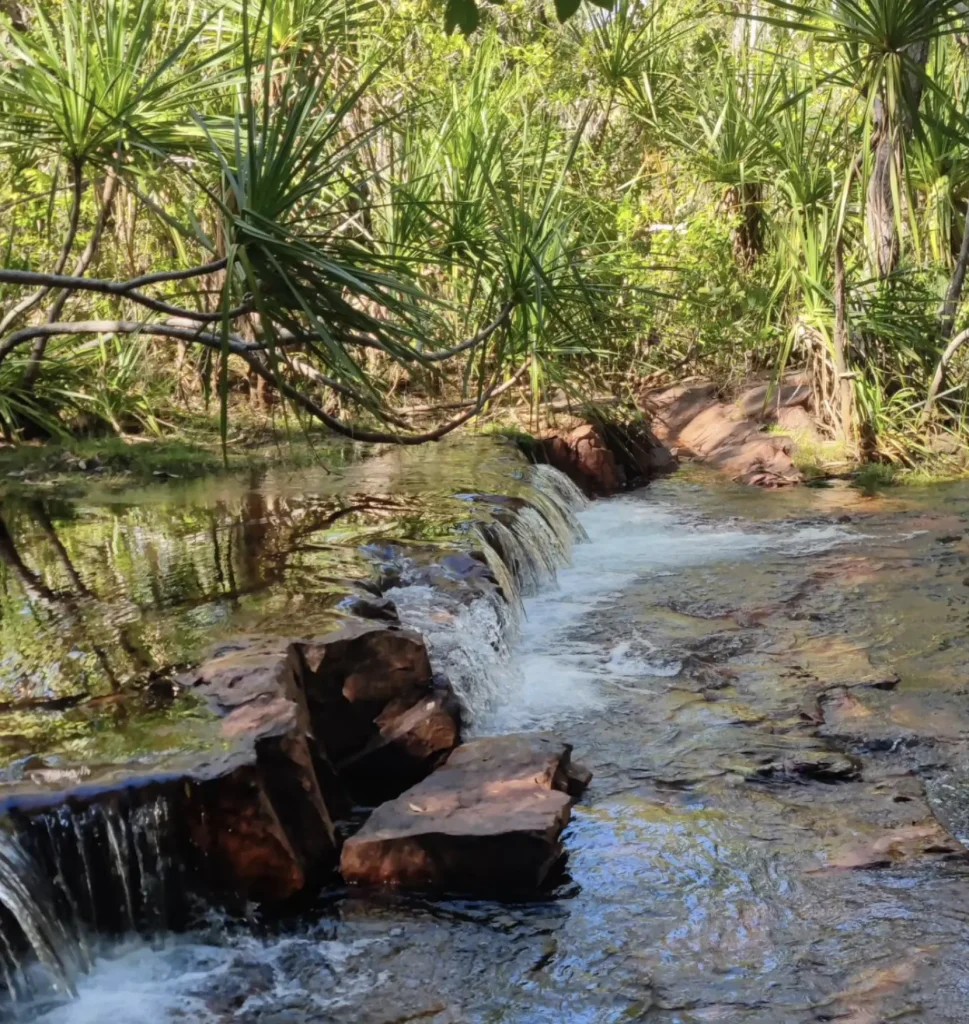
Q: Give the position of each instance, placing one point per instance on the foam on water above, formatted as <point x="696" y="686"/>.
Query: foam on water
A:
<point x="552" y="665"/>
<point x="554" y="671"/>
<point x="178" y="980"/>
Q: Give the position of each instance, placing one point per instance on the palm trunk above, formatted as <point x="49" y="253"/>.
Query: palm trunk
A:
<point x="840" y="342"/>
<point x="888" y="142"/>
<point x="880" y="209"/>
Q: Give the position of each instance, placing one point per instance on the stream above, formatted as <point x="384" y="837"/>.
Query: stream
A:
<point x="771" y="690"/>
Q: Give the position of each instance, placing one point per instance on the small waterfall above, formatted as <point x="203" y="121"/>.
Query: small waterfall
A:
<point x="534" y="538"/>
<point x="114" y="867"/>
<point x="525" y="541"/>
<point x="568" y="497"/>
<point x="67" y="875"/>
<point x="31" y="923"/>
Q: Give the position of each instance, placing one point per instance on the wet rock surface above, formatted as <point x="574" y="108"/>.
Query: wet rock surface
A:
<point x="488" y="821"/>
<point x="605" y="458"/>
<point x="339" y="718"/>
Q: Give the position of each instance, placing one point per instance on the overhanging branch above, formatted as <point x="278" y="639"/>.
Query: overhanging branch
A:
<point x="126" y="289"/>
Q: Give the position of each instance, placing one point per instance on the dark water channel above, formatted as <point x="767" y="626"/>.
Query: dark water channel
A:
<point x="771" y="690"/>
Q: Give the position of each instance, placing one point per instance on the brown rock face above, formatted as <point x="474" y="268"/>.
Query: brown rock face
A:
<point x="487" y="821"/>
<point x="350" y="676"/>
<point x="264" y="828"/>
<point x="730" y="435"/>
<point x="603" y="460"/>
<point x="353" y="715"/>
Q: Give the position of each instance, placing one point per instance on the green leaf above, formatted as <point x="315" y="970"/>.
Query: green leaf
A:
<point x="566" y="8"/>
<point x="606" y="5"/>
<point x="461" y="14"/>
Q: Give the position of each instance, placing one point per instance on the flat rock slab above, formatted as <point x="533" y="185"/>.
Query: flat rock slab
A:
<point x="489" y="820"/>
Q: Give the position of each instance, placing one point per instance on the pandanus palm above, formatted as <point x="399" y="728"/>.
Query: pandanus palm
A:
<point x="884" y="48"/>
<point x="99" y="90"/>
<point x="730" y="136"/>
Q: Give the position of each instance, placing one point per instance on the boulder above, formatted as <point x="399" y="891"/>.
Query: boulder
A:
<point x="730" y="436"/>
<point x="489" y="820"/>
<point x="604" y="459"/>
<point x="411" y="740"/>
<point x="673" y="408"/>
<point x="766" y="401"/>
<point x="354" y="715"/>
<point x="265" y="829"/>
<point x="381" y="717"/>
<point x="797" y="421"/>
<point x="364" y="696"/>
<point x="584" y="456"/>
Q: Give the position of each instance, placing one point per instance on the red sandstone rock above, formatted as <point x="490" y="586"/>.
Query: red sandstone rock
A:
<point x="729" y="435"/>
<point x="489" y="820"/>
<point x="584" y="456"/>
<point x="244" y="845"/>
<point x="311" y="723"/>
<point x="603" y="460"/>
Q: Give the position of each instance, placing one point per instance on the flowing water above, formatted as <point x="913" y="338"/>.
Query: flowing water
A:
<point x="771" y="690"/>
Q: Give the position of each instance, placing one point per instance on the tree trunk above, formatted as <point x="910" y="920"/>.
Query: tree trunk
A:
<point x="746" y="202"/>
<point x="888" y="143"/>
<point x="880" y="209"/>
<point x="840" y="342"/>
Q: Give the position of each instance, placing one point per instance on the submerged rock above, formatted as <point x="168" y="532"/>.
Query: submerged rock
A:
<point x="820" y="765"/>
<point x="488" y="821"/>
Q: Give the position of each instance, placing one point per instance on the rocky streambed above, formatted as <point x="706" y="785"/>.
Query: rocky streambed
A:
<point x="238" y="781"/>
<point x="768" y="689"/>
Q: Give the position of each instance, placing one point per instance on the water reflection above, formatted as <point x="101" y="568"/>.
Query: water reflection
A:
<point x="102" y="597"/>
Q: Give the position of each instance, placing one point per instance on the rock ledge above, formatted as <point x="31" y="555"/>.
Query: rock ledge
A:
<point x="489" y="820"/>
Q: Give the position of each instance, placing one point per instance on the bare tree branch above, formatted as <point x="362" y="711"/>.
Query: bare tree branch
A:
<point x="175" y="275"/>
<point x="29" y="302"/>
<point x="375" y="436"/>
<point x="249" y="351"/>
<point x="197" y="335"/>
<point x="125" y="289"/>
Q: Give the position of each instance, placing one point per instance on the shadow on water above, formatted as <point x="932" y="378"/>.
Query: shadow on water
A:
<point x="771" y="691"/>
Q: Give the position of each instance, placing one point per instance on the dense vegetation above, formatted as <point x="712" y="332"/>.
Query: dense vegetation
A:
<point x="344" y="211"/>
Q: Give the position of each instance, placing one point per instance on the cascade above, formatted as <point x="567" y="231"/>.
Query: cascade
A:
<point x="66" y="875"/>
<point x="114" y="866"/>
<point x="524" y="545"/>
<point x="31" y="922"/>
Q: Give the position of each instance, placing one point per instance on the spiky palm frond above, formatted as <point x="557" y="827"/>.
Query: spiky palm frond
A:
<point x="106" y="78"/>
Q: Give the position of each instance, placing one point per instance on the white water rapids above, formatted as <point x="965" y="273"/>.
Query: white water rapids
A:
<point x="538" y="667"/>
